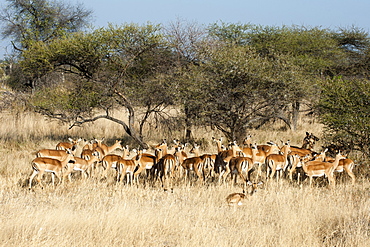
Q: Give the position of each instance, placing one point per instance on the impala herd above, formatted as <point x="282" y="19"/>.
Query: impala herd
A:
<point x="94" y="158"/>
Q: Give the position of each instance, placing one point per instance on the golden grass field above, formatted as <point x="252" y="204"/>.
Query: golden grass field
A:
<point x="101" y="213"/>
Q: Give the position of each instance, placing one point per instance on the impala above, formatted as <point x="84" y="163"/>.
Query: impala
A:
<point x="54" y="166"/>
<point x="264" y="150"/>
<point x="166" y="165"/>
<point x="307" y="147"/>
<point x="103" y="149"/>
<point x="345" y="164"/>
<point x="52" y="153"/>
<point x="295" y="158"/>
<point x="81" y="165"/>
<point x="72" y="145"/>
<point x="241" y="165"/>
<point x="319" y="168"/>
<point x="111" y="160"/>
<point x="87" y="154"/>
<point x="208" y="161"/>
<point x="309" y="141"/>
<point x="236" y="199"/>
<point x="147" y="161"/>
<point x="87" y="150"/>
<point x="193" y="164"/>
<point x="223" y="159"/>
<point x="277" y="162"/>
<point x="248" y="141"/>
<point x="218" y="144"/>
<point x="127" y="167"/>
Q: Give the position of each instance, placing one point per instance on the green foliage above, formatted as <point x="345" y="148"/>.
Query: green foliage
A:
<point x="51" y="100"/>
<point x="344" y="108"/>
<point x="241" y="88"/>
<point x="27" y="21"/>
<point x="313" y="49"/>
<point x="238" y="77"/>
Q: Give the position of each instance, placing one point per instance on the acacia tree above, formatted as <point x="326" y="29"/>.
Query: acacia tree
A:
<point x="240" y="89"/>
<point x="186" y="39"/>
<point x="313" y="50"/>
<point x="112" y="64"/>
<point x="344" y="108"/>
<point x="26" y="21"/>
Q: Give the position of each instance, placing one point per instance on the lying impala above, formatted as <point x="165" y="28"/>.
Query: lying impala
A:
<point x="54" y="166"/>
<point x="319" y="168"/>
<point x="237" y="199"/>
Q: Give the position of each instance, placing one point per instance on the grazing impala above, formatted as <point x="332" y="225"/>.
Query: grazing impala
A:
<point x="54" y="166"/>
<point x="236" y="199"/>
<point x="319" y="168"/>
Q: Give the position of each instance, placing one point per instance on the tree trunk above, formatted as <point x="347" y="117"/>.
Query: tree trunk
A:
<point x="130" y="129"/>
<point x="295" y="114"/>
<point x="188" y="124"/>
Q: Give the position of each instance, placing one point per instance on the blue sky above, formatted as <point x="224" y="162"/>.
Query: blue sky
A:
<point x="325" y="13"/>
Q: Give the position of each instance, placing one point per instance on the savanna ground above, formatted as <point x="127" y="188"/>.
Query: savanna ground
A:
<point x="100" y="213"/>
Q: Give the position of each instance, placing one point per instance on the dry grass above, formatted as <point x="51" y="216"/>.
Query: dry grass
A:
<point x="100" y="213"/>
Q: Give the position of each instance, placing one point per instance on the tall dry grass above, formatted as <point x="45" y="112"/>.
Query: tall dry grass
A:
<point x="100" y="213"/>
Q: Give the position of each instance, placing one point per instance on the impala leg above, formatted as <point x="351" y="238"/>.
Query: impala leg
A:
<point x="53" y="179"/>
<point x="31" y="178"/>
<point x="272" y="172"/>
<point x="38" y="179"/>
<point x="351" y="174"/>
